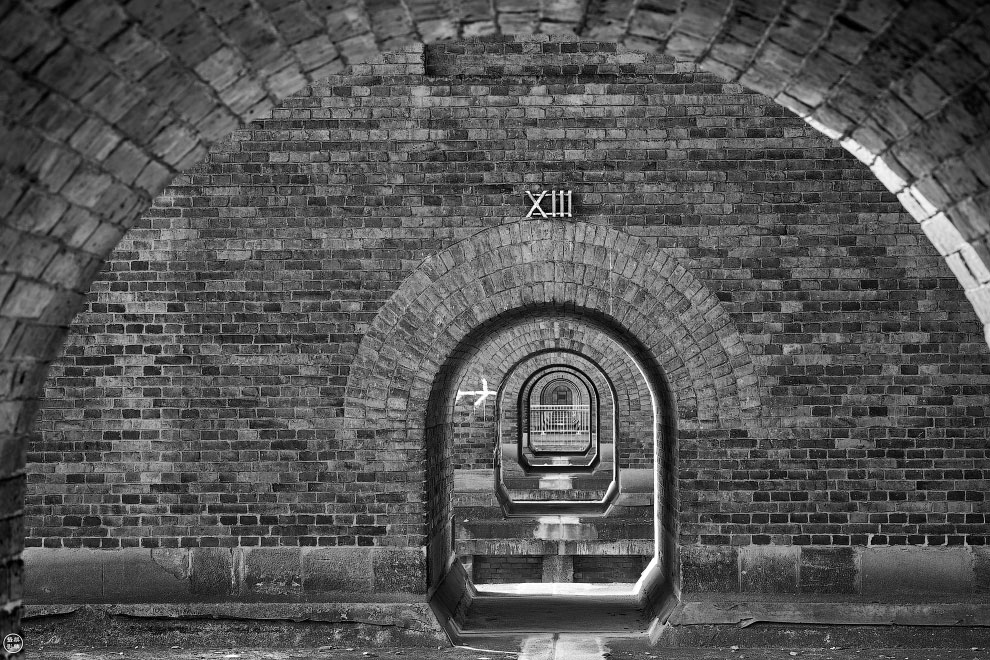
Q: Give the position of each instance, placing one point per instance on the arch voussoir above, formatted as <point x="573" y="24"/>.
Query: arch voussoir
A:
<point x="533" y="274"/>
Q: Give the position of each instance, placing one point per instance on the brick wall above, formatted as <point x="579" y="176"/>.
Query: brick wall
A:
<point x="502" y="570"/>
<point x="589" y="568"/>
<point x="201" y="399"/>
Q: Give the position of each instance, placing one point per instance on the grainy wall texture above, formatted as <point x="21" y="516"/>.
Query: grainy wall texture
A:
<point x="254" y="368"/>
<point x="107" y="100"/>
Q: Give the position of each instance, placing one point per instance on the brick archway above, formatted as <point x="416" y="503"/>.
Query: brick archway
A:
<point x="401" y="380"/>
<point x="107" y="101"/>
<point x="573" y="264"/>
<point x="543" y="339"/>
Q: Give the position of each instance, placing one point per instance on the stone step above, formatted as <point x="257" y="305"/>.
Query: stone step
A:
<point x="552" y="529"/>
<point x="562" y="647"/>
<point x="589" y="613"/>
<point x="533" y="547"/>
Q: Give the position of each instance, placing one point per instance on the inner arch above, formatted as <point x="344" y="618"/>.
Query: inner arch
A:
<point x="658" y="583"/>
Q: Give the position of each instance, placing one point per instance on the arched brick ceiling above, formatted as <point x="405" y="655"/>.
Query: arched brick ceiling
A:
<point x="102" y="102"/>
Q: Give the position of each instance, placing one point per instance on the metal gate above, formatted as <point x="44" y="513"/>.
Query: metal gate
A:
<point x="559" y="428"/>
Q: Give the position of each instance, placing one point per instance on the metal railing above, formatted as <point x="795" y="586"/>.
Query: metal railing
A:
<point x="559" y="428"/>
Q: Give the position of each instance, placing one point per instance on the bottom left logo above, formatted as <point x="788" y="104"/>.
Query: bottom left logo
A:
<point x="13" y="643"/>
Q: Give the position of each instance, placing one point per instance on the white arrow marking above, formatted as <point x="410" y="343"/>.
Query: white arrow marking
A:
<point x="482" y="394"/>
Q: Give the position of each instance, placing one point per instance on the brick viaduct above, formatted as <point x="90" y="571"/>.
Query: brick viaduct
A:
<point x="104" y="103"/>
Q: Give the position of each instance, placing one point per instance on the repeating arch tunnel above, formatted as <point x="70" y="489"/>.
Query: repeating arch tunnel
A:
<point x="103" y="102"/>
<point x="413" y="356"/>
<point x="532" y="360"/>
<point x="539" y="344"/>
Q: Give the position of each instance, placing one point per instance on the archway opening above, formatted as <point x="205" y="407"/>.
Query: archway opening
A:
<point x="488" y="541"/>
<point x="558" y="412"/>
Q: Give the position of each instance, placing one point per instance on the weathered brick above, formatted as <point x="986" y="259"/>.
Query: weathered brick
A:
<point x="26" y="300"/>
<point x="27" y="38"/>
<point x="94" y="22"/>
<point x="135" y="53"/>
<point x="335" y="215"/>
<point x="72" y="72"/>
<point x="39" y="212"/>
<point x="94" y="139"/>
<point x="221" y="68"/>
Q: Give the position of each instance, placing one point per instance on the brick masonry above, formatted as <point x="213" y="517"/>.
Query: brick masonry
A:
<point x="109" y="100"/>
<point x="540" y="344"/>
<point x="589" y="568"/>
<point x="255" y="364"/>
<point x="502" y="570"/>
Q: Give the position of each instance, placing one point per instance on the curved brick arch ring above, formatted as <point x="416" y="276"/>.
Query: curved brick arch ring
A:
<point x="403" y="377"/>
<point x="600" y="391"/>
<point x="576" y="265"/>
<point x="436" y="438"/>
<point x="505" y="347"/>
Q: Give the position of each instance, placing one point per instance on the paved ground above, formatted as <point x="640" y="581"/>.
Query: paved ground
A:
<point x="618" y="652"/>
<point x="614" y="650"/>
<point x="565" y="614"/>
<point x="509" y="622"/>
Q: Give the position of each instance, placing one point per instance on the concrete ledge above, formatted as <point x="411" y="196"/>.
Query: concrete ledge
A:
<point x="382" y="614"/>
<point x="474" y="481"/>
<point x="475" y="487"/>
<point x="932" y="572"/>
<point x="854" y="621"/>
<point x="536" y="547"/>
<point x="948" y="570"/>
<point x="82" y="575"/>
<point x="791" y="635"/>
<point x="193" y="625"/>
<point x="746" y="613"/>
<point x="635" y="488"/>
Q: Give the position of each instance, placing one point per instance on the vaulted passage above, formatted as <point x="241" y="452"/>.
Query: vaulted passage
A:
<point x="331" y="364"/>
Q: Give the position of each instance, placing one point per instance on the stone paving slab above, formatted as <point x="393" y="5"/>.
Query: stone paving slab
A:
<point x="615" y="650"/>
<point x="626" y="650"/>
<point x="336" y="653"/>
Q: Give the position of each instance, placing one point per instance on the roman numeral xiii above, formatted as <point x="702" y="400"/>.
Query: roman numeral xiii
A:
<point x="560" y="204"/>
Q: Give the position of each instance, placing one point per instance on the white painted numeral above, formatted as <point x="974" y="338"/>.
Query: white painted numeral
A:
<point x="560" y="204"/>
